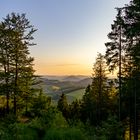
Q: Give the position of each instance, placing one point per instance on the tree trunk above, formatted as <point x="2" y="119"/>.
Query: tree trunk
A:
<point x="15" y="105"/>
<point x="16" y="88"/>
<point x="120" y="55"/>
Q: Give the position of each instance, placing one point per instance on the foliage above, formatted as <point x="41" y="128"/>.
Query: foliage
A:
<point x="125" y="45"/>
<point x="40" y="103"/>
<point x="29" y="114"/>
<point x="63" y="106"/>
<point x="74" y="111"/>
<point x="16" y="66"/>
<point x="110" y="129"/>
<point x="64" y="134"/>
<point x="22" y="131"/>
<point x="94" y="107"/>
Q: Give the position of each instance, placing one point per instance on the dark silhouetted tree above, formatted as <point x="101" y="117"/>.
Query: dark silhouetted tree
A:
<point x="94" y="105"/>
<point x="116" y="50"/>
<point x="75" y="110"/>
<point x="16" y="64"/>
<point x="63" y="106"/>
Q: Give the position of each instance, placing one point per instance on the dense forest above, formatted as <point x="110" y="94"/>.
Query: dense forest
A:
<point x="109" y="108"/>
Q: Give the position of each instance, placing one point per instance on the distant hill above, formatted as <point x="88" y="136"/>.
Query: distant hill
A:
<point x="73" y="86"/>
<point x="65" y="77"/>
<point x="74" y="78"/>
<point x="54" y="86"/>
<point x="53" y="77"/>
<point x="85" y="82"/>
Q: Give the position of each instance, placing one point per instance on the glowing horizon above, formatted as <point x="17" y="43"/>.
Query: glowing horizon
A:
<point x="70" y="33"/>
<point x="63" y="69"/>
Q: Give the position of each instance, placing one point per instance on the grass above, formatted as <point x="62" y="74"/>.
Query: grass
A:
<point x="78" y="94"/>
<point x="71" y="96"/>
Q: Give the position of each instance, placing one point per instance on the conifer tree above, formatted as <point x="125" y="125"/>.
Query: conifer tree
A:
<point x="75" y="108"/>
<point x="5" y="63"/>
<point x="130" y="60"/>
<point x="116" y="50"/>
<point x="99" y="86"/>
<point x="16" y="62"/>
<point x="95" y="101"/>
<point x="63" y="105"/>
<point x="132" y="20"/>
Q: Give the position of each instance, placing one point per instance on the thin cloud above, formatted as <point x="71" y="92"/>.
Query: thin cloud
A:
<point x="62" y="65"/>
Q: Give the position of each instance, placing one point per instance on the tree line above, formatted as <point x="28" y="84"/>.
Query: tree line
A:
<point x="119" y="97"/>
<point x="108" y="108"/>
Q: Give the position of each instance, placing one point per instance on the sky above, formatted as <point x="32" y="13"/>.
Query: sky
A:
<point x="69" y="33"/>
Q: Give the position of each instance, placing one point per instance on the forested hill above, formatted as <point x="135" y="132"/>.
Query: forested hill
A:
<point x="54" y="86"/>
<point x="65" y="77"/>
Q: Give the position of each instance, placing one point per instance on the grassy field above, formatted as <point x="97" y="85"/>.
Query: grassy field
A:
<point x="78" y="94"/>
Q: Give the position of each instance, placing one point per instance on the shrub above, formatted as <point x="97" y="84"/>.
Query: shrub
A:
<point x="64" y="134"/>
<point x="21" y="131"/>
<point x="110" y="130"/>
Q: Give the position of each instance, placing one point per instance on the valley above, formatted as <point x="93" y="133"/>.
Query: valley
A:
<point x="72" y="86"/>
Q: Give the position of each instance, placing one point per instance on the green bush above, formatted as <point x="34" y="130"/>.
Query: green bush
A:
<point x="64" y="134"/>
<point x="52" y="118"/>
<point x="21" y="131"/>
<point x="58" y="121"/>
<point x="4" y="135"/>
<point x="110" y="129"/>
<point x="5" y="132"/>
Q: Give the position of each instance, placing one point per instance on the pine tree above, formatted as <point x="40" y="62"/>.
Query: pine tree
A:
<point x="129" y="29"/>
<point x="95" y="101"/>
<point x="63" y="106"/>
<point x="74" y="112"/>
<point x="5" y="63"/>
<point x="16" y="61"/>
<point x="132" y="20"/>
<point x="116" y="50"/>
<point x="99" y="86"/>
<point x="88" y="107"/>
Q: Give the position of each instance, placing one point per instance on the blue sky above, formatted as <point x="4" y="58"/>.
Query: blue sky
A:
<point x="70" y="32"/>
